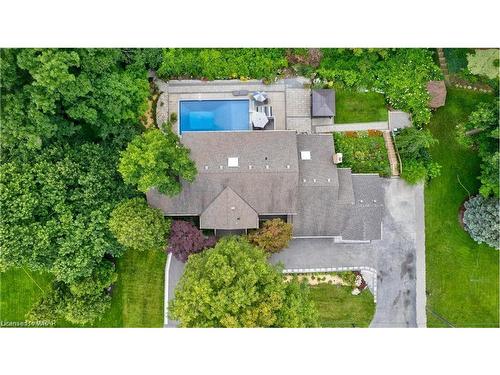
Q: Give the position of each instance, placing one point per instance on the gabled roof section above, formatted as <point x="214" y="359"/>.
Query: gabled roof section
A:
<point x="229" y="211"/>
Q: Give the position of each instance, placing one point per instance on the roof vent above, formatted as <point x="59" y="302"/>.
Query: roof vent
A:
<point x="288" y="166"/>
<point x="206" y="167"/>
<point x="337" y="158"/>
<point x="305" y="155"/>
<point x="314" y="180"/>
<point x="221" y="167"/>
<point x="250" y="166"/>
<point x="267" y="166"/>
<point x="232" y="162"/>
<point x="329" y="180"/>
<point x="304" y="180"/>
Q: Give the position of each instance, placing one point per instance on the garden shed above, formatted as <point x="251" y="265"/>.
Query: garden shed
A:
<point x="323" y="103"/>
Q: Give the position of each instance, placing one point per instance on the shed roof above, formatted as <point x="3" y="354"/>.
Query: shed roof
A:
<point x="437" y="91"/>
<point x="323" y="103"/>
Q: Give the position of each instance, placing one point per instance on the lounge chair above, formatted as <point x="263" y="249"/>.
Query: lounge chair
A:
<point x="267" y="110"/>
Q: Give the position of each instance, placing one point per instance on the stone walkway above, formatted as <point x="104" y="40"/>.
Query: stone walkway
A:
<point x="391" y="153"/>
<point x="442" y="64"/>
<point x="361" y="126"/>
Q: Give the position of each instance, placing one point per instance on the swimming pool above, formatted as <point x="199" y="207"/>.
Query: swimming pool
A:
<point x="214" y="115"/>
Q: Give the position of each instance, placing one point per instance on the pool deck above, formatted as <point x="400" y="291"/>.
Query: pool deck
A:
<point x="290" y="99"/>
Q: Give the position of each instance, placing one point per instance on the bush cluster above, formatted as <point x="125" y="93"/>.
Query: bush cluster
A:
<point x="273" y="236"/>
<point x="186" y="239"/>
<point x="481" y="220"/>
<point x="401" y="74"/>
<point x="363" y="152"/>
<point x="413" y="147"/>
<point x="223" y="63"/>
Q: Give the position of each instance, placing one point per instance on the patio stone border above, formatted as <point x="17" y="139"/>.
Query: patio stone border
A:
<point x="338" y="269"/>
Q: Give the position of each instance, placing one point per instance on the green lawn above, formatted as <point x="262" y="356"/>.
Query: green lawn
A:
<point x="462" y="276"/>
<point x="363" y="153"/>
<point x="353" y="106"/>
<point x="20" y="289"/>
<point x="337" y="307"/>
<point x="137" y="295"/>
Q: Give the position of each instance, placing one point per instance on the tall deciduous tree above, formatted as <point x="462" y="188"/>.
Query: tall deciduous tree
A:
<point x="52" y="94"/>
<point x="233" y="285"/>
<point x="481" y="132"/>
<point x="138" y="226"/>
<point x="157" y="160"/>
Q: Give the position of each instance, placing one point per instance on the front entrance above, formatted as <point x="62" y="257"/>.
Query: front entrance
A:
<point x="229" y="232"/>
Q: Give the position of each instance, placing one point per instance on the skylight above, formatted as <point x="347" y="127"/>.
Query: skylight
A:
<point x="305" y="155"/>
<point x="232" y="162"/>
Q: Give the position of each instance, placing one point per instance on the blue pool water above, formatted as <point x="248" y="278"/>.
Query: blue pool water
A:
<point x="213" y="115"/>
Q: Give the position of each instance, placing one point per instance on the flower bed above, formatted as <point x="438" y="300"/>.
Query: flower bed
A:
<point x="363" y="152"/>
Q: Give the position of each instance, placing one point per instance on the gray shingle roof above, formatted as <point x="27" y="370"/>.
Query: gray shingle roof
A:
<point x="321" y="213"/>
<point x="348" y="205"/>
<point x="229" y="211"/>
<point x="269" y="187"/>
<point x="323" y="103"/>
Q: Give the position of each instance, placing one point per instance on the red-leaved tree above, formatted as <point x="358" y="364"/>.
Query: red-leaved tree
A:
<point x="186" y="239"/>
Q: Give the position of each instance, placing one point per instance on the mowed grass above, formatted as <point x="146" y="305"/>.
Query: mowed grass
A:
<point x="19" y="290"/>
<point x="337" y="307"/>
<point x="353" y="106"/>
<point x="137" y="299"/>
<point x="462" y="276"/>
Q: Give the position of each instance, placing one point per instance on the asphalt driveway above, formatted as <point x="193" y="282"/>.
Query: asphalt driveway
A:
<point x="394" y="257"/>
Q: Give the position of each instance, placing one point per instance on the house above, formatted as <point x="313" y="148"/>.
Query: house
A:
<point x="250" y="176"/>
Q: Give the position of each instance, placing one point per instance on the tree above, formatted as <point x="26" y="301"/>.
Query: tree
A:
<point x="157" y="160"/>
<point x="65" y="115"/>
<point x="481" y="132"/>
<point x="186" y="239"/>
<point x="59" y="302"/>
<point x="139" y="227"/>
<point x="59" y="93"/>
<point x="401" y="74"/>
<point x="233" y="285"/>
<point x="413" y="146"/>
<point x="481" y="220"/>
<point x="273" y="236"/>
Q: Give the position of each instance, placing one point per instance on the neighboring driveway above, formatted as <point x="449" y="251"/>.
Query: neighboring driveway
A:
<point x="394" y="257"/>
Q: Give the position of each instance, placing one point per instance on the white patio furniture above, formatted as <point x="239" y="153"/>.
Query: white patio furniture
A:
<point x="259" y="120"/>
